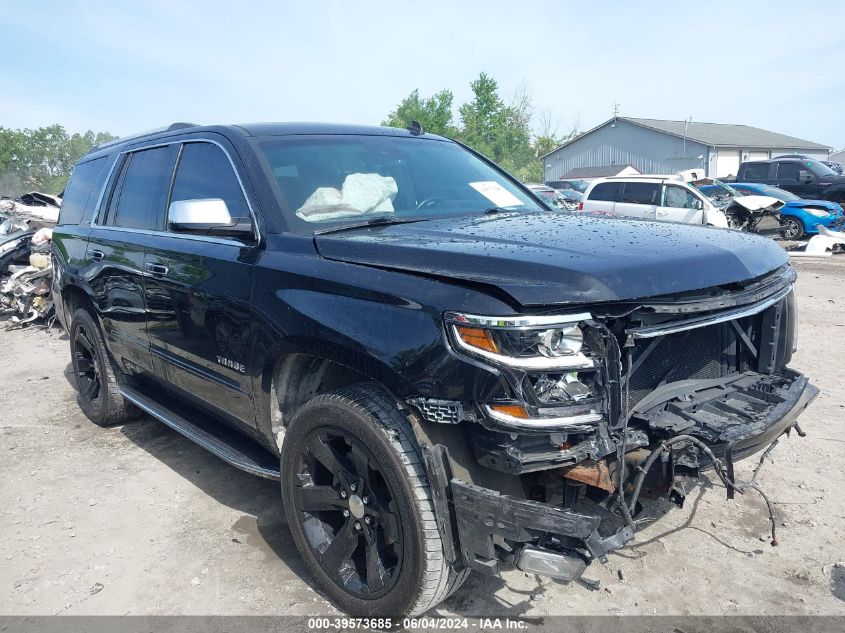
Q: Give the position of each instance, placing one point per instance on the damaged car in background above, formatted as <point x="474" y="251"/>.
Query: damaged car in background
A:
<point x="751" y="213"/>
<point x="25" y="263"/>
<point x="445" y="375"/>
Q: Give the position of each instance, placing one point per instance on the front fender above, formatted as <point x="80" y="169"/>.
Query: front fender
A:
<point x="385" y="325"/>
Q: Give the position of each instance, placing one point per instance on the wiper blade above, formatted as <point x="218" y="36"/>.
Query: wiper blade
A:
<point x="381" y="220"/>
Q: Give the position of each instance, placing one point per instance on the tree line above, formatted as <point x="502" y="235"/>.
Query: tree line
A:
<point x="509" y="132"/>
<point x="42" y="159"/>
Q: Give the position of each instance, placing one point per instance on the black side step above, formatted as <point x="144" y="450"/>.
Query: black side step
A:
<point x="226" y="444"/>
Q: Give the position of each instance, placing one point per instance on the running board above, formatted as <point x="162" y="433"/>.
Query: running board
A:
<point x="229" y="446"/>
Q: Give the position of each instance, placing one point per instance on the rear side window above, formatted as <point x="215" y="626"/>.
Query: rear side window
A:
<point x="78" y="191"/>
<point x="606" y="191"/>
<point x="204" y="171"/>
<point x="137" y="203"/>
<point x="757" y="171"/>
<point x="641" y="193"/>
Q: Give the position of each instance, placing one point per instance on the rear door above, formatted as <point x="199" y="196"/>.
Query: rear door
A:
<point x="603" y="197"/>
<point x="680" y="205"/>
<point x="639" y="200"/>
<point x="757" y="172"/>
<point x="116" y="248"/>
<point x="199" y="290"/>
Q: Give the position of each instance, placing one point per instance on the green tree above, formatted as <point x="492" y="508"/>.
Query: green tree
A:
<point x="500" y="130"/>
<point x="434" y="113"/>
<point x="41" y="159"/>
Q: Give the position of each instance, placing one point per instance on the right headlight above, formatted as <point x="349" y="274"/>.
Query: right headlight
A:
<point x="819" y="213"/>
<point x="544" y="342"/>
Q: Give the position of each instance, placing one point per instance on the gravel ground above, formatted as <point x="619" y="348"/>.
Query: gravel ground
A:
<point x="138" y="520"/>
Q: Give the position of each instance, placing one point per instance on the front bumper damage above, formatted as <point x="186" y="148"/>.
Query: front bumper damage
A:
<point x="697" y="424"/>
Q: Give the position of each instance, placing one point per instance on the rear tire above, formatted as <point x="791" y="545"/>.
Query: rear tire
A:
<point x="792" y="229"/>
<point x="359" y="506"/>
<point x="95" y="375"/>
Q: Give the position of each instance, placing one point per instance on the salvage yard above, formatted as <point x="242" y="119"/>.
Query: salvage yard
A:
<point x="138" y="520"/>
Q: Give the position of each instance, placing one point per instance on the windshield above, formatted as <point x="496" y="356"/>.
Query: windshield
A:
<point x="351" y="179"/>
<point x="819" y="169"/>
<point x="716" y="189"/>
<point x="775" y="192"/>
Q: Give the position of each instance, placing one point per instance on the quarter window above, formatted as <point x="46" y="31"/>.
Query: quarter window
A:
<point x="641" y="193"/>
<point x="137" y="203"/>
<point x="757" y="171"/>
<point x="606" y="191"/>
<point x="204" y="172"/>
<point x="78" y="190"/>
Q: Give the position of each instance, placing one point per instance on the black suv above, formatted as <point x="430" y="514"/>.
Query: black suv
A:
<point x="444" y="374"/>
<point x="805" y="177"/>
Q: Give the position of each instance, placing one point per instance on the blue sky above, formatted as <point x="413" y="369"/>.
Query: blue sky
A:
<point x="130" y="66"/>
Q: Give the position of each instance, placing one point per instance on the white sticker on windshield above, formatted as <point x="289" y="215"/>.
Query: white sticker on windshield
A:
<point x="496" y="193"/>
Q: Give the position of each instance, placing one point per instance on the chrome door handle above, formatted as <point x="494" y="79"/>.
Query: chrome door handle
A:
<point x="156" y="269"/>
<point x="96" y="255"/>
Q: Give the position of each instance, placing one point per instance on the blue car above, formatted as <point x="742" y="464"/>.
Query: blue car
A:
<point x="799" y="217"/>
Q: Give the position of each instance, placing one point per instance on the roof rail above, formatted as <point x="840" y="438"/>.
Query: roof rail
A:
<point x="122" y="139"/>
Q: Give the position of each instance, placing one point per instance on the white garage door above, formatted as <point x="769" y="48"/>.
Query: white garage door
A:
<point x="758" y="155"/>
<point x="727" y="162"/>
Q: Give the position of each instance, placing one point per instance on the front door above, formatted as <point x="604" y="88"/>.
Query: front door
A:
<point x="680" y="205"/>
<point x="795" y="176"/>
<point x="198" y="290"/>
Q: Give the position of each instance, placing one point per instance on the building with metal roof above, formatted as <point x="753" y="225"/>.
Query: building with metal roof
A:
<point x="657" y="146"/>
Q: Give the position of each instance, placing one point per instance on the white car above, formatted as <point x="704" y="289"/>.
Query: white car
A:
<point x="666" y="198"/>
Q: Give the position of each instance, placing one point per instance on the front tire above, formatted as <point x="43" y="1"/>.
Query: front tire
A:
<point x="95" y="375"/>
<point x="792" y="229"/>
<point x="359" y="506"/>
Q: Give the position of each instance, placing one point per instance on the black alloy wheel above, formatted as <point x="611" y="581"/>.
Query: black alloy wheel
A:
<point x="347" y="512"/>
<point x="359" y="506"/>
<point x="86" y="365"/>
<point x="96" y="375"/>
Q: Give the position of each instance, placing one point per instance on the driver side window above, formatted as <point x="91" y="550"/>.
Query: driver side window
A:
<point x="679" y="198"/>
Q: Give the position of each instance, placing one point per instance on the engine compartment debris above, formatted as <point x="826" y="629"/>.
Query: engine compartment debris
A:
<point x="26" y="270"/>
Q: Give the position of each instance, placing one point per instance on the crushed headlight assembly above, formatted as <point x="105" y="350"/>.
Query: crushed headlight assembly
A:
<point x="545" y="342"/>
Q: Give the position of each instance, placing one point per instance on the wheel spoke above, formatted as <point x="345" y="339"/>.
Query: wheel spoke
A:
<point x="360" y="461"/>
<point x="319" y="498"/>
<point x="84" y="365"/>
<point x="341" y="548"/>
<point x="91" y="389"/>
<point x="374" y="580"/>
<point x="324" y="454"/>
<point x="390" y="526"/>
<point x="84" y="342"/>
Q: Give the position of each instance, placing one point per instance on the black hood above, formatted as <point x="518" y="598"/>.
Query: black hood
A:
<point x="559" y="258"/>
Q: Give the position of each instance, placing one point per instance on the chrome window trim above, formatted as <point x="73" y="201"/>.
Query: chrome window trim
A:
<point x="721" y="317"/>
<point x="203" y="238"/>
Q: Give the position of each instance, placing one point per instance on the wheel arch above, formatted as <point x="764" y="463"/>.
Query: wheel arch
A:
<point x="294" y="375"/>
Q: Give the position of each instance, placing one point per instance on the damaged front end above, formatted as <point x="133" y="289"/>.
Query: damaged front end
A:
<point x="604" y="407"/>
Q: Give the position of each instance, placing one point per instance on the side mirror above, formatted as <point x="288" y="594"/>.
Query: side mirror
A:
<point x="699" y="205"/>
<point x="209" y="216"/>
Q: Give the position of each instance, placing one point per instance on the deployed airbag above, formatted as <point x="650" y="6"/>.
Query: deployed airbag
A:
<point x="360" y="194"/>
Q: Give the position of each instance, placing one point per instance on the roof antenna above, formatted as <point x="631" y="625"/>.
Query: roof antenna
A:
<point x="415" y="128"/>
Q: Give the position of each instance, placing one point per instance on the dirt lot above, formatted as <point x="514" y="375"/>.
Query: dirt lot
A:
<point x="138" y="520"/>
